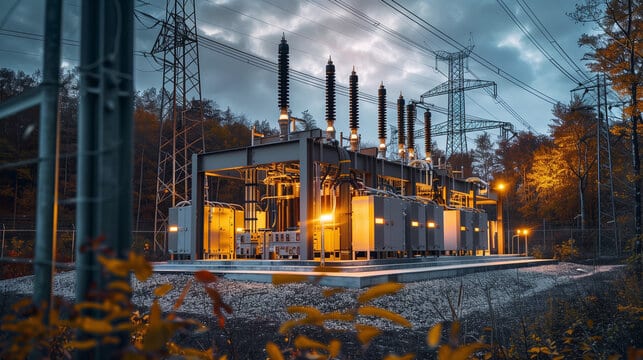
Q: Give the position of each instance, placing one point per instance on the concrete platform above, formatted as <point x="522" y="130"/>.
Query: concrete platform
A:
<point x="352" y="274"/>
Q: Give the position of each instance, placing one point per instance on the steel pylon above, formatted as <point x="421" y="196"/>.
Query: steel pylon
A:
<point x="181" y="131"/>
<point x="455" y="87"/>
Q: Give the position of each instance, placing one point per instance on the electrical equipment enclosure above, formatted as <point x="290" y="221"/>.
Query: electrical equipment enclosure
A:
<point x="378" y="223"/>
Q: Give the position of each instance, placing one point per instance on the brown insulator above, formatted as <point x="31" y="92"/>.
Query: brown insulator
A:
<point x="354" y="109"/>
<point x="381" y="112"/>
<point x="410" y="116"/>
<point x="283" y="74"/>
<point x="400" y="121"/>
<point x="427" y="135"/>
<point x="330" y="99"/>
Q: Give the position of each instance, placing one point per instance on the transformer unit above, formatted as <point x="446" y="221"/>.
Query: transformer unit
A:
<point x="434" y="228"/>
<point x="378" y="224"/>
<point x="481" y="232"/>
<point x="179" y="232"/>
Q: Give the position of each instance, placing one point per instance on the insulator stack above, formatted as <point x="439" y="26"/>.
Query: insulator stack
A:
<point x="283" y="73"/>
<point x="353" y="111"/>
<point x="381" y="120"/>
<point x="283" y="87"/>
<point x="427" y="136"/>
<point x="410" y="116"/>
<point x="400" y="125"/>
<point x="330" y="99"/>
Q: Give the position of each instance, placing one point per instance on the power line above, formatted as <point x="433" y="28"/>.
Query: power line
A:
<point x="535" y="42"/>
<point x="482" y="61"/>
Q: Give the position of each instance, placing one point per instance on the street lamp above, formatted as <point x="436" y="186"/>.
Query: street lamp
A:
<point x="500" y="188"/>
<point x="323" y="219"/>
<point x="524" y="232"/>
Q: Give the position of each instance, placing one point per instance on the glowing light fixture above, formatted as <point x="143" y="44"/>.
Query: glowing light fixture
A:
<point x="173" y="228"/>
<point x="463" y="228"/>
<point x="430" y="225"/>
<point x="240" y="229"/>
<point x="476" y="229"/>
<point x="379" y="221"/>
<point x="324" y="218"/>
<point x="415" y="223"/>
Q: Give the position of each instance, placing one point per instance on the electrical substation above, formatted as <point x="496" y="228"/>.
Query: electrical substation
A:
<point x="314" y="195"/>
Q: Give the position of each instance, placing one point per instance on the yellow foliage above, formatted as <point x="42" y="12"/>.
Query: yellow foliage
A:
<point x="366" y="333"/>
<point x="82" y="344"/>
<point x="281" y="279"/>
<point x="161" y="290"/>
<point x="304" y="342"/>
<point x="142" y="268"/>
<point x="274" y="353"/>
<point x="385" y="314"/>
<point x="403" y="357"/>
<point x="95" y="326"/>
<point x="434" y="335"/>
<point x="378" y="291"/>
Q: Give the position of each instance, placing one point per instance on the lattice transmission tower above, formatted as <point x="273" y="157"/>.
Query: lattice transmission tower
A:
<point x="454" y="87"/>
<point x="607" y="239"/>
<point x="181" y="132"/>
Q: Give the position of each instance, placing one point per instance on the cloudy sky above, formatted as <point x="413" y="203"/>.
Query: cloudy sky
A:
<point x="389" y="41"/>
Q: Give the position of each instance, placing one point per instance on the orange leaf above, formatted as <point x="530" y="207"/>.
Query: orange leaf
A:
<point x="379" y="290"/>
<point x="389" y="315"/>
<point x="304" y="342"/>
<point x="82" y="344"/>
<point x="433" y="337"/>
<point x="184" y="293"/>
<point x="273" y="351"/>
<point x="280" y="279"/>
<point x="334" y="347"/>
<point x="161" y="290"/>
<point x="366" y="333"/>
<point x="205" y="276"/>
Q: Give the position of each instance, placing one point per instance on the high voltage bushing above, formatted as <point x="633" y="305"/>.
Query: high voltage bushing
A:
<point x="400" y="120"/>
<point x="381" y="112"/>
<point x="330" y="93"/>
<point x="283" y="73"/>
<point x="354" y="110"/>
<point x="427" y="134"/>
<point x="410" y="115"/>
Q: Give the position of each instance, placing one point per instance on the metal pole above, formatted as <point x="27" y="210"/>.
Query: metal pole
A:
<point x="322" y="258"/>
<point x="73" y="241"/>
<point x="45" y="226"/>
<point x="2" y="251"/>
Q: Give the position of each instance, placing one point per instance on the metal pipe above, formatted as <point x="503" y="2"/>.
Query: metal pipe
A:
<point x="45" y="226"/>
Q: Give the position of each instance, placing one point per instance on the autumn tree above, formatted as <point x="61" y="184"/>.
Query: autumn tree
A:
<point x="615" y="49"/>
<point x="485" y="160"/>
<point x="515" y="158"/>
<point x="561" y="171"/>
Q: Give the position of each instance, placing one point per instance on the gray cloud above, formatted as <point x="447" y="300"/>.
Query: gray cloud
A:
<point x="316" y="29"/>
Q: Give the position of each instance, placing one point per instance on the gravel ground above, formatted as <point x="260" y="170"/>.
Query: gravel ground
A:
<point x="259" y="308"/>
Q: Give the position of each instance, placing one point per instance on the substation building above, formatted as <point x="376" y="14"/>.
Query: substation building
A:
<point x="309" y="197"/>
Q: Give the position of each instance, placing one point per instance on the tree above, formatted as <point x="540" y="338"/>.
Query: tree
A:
<point x="485" y="160"/>
<point x="616" y="50"/>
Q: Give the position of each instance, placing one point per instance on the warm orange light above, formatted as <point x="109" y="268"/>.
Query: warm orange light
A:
<point x="476" y="229"/>
<point x="326" y="218"/>
<point x="463" y="228"/>
<point x="379" y="221"/>
<point x="501" y="186"/>
<point x="240" y="229"/>
<point x="415" y="223"/>
<point x="430" y="225"/>
<point x="173" y="228"/>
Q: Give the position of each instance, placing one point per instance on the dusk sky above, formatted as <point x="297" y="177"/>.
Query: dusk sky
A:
<point x="354" y="33"/>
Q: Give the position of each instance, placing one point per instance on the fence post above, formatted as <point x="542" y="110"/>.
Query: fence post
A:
<point x="2" y="251"/>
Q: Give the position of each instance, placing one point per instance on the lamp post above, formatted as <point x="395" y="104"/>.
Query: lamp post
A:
<point x="323" y="219"/>
<point x="524" y="232"/>
<point x="500" y="187"/>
